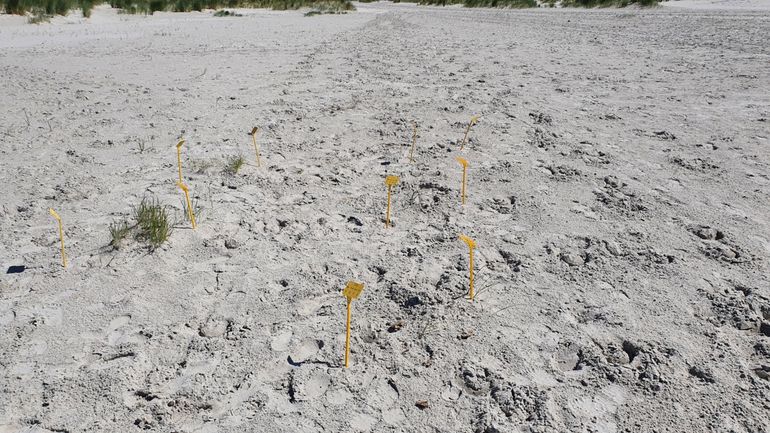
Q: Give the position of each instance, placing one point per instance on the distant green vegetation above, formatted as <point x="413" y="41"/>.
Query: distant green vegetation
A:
<point x="47" y="8"/>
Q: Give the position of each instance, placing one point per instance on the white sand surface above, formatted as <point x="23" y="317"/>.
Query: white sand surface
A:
<point x="618" y="190"/>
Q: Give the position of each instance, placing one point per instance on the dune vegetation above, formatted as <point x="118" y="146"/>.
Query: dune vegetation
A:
<point x="47" y="8"/>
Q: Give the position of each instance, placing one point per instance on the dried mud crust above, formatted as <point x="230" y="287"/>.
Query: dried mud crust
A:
<point x="617" y="190"/>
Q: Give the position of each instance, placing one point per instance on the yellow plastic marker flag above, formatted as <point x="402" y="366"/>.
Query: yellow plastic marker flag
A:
<point x="474" y="120"/>
<point x="254" y="139"/>
<point x="471" y="245"/>
<point x="351" y="291"/>
<point x="61" y="236"/>
<point x="390" y="181"/>
<point x="464" y="163"/>
<point x="414" y="142"/>
<point x="179" y="157"/>
<point x="190" y="212"/>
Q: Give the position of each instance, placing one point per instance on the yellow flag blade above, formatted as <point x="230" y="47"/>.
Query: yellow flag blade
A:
<point x="353" y="290"/>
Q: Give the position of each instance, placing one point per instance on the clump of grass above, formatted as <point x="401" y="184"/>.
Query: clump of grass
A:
<point x="119" y="230"/>
<point x="234" y="164"/>
<point x="153" y="222"/>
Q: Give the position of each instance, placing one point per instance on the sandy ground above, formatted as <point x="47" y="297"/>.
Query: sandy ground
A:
<point x="619" y="192"/>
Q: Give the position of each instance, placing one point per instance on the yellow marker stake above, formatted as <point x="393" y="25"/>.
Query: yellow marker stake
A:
<point x="471" y="245"/>
<point x="414" y="142"/>
<point x="254" y="139"/>
<point x="190" y="212"/>
<point x="179" y="157"/>
<point x="464" y="163"/>
<point x="61" y="236"/>
<point x="474" y="119"/>
<point x="352" y="291"/>
<point x="390" y="181"/>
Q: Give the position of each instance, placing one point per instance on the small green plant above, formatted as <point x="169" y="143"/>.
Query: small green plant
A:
<point x="119" y="230"/>
<point x="234" y="164"/>
<point x="153" y="222"/>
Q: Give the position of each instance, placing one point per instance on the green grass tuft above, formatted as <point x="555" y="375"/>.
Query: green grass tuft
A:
<point x="153" y="222"/>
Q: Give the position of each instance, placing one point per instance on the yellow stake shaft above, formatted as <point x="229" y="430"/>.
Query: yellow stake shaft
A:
<point x="387" y="213"/>
<point x="179" y="161"/>
<point x="463" y="191"/>
<point x="414" y="141"/>
<point x="471" y="278"/>
<point x="61" y="237"/>
<point x="256" y="149"/>
<point x="189" y="209"/>
<point x="465" y="138"/>
<point x="347" y="338"/>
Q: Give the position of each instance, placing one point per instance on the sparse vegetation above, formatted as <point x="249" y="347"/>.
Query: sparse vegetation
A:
<point x="197" y="209"/>
<point x="153" y="222"/>
<point x="119" y="230"/>
<point x="234" y="164"/>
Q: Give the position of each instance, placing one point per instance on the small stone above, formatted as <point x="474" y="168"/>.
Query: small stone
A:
<point x="231" y="244"/>
<point x="572" y="259"/>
